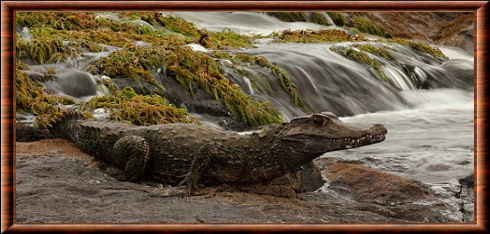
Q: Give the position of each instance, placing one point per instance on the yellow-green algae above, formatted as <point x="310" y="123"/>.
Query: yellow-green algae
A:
<point x="418" y="46"/>
<point x="337" y="18"/>
<point x="198" y="70"/>
<point x="367" y="26"/>
<point x="226" y="39"/>
<point x="313" y="17"/>
<point x="143" y="110"/>
<point x="283" y="77"/>
<point x="378" y="51"/>
<point x="311" y="36"/>
<point x="361" y="57"/>
<point x="43" y="50"/>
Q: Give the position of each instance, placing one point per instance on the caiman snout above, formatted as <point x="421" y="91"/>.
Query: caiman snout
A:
<point x="378" y="129"/>
<point x="377" y="133"/>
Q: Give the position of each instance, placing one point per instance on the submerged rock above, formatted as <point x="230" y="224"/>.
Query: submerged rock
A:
<point x="383" y="193"/>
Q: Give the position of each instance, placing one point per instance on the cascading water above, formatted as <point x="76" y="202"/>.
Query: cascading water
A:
<point x="243" y="22"/>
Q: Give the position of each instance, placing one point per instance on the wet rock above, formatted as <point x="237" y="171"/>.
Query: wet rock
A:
<point x="460" y="69"/>
<point x="367" y="184"/>
<point x="448" y="15"/>
<point x="466" y="195"/>
<point x="139" y="86"/>
<point x="467" y="181"/>
<point x="385" y="194"/>
<point x="307" y="179"/>
<point x="199" y="102"/>
<point x="73" y="83"/>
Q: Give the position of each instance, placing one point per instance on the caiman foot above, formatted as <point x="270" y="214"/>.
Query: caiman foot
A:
<point x="135" y="150"/>
<point x="192" y="188"/>
<point x="198" y="167"/>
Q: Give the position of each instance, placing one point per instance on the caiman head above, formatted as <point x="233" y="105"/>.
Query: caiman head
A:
<point x="314" y="135"/>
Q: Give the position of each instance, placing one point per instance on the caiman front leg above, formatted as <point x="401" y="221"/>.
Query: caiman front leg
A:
<point x="199" y="165"/>
<point x="134" y="151"/>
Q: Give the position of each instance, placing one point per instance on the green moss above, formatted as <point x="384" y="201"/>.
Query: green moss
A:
<point x="283" y="77"/>
<point x="313" y="17"/>
<point x="126" y="105"/>
<point x="224" y="40"/>
<point x="310" y="36"/>
<point x="319" y="18"/>
<point x="337" y="18"/>
<point x="132" y="62"/>
<point x="418" y="46"/>
<point x="197" y="70"/>
<point x="42" y="50"/>
<point x="361" y="57"/>
<point x="86" y="44"/>
<point x="290" y="16"/>
<point x="57" y="20"/>
<point x="366" y="25"/>
<point x="378" y="51"/>
<point x="21" y="65"/>
<point x="175" y="24"/>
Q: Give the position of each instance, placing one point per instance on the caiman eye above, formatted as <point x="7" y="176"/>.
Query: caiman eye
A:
<point x="318" y="120"/>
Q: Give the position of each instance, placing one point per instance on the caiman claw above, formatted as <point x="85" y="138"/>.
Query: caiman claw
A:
<point x="192" y="188"/>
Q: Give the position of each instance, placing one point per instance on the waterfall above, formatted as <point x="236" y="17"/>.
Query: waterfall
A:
<point x="328" y="81"/>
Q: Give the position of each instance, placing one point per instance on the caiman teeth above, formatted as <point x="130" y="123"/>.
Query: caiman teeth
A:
<point x="354" y="141"/>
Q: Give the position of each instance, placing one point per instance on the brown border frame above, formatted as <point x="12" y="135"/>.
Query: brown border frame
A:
<point x="8" y="8"/>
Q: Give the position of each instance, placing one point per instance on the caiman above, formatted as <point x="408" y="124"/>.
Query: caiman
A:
<point x="186" y="154"/>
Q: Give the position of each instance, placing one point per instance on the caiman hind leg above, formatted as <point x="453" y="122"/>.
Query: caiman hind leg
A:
<point x="199" y="165"/>
<point x="134" y="151"/>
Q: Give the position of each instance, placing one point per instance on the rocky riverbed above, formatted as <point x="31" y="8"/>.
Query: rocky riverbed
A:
<point x="57" y="183"/>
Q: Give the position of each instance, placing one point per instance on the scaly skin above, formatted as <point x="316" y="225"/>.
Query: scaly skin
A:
<point x="189" y="153"/>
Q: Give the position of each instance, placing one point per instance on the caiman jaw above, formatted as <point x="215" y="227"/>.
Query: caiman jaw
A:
<point x="374" y="135"/>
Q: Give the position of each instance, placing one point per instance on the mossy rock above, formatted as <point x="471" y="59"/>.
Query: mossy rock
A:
<point x="419" y="46"/>
<point x="378" y="51"/>
<point x="362" y="58"/>
<point x="42" y="50"/>
<point x="126" y="105"/>
<point x="337" y="17"/>
<point x="311" y="36"/>
<point x="313" y="17"/>
<point x="367" y="26"/>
